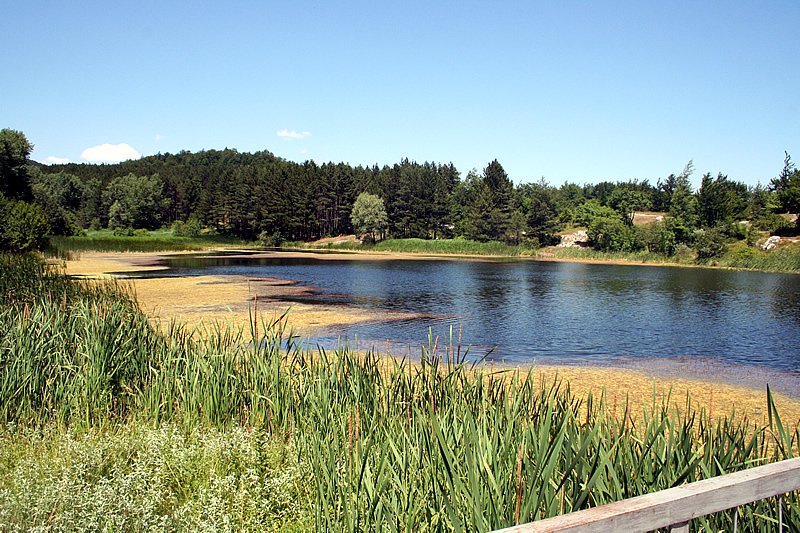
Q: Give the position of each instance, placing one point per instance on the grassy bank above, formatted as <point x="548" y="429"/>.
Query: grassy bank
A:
<point x="782" y="260"/>
<point x="739" y="257"/>
<point x="153" y="241"/>
<point x="247" y="429"/>
<point x="588" y="254"/>
<point x="439" y="246"/>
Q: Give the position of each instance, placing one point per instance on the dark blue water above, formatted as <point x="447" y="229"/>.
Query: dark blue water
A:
<point x="550" y="311"/>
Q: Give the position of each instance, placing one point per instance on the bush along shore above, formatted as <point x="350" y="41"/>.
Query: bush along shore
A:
<point x="109" y="422"/>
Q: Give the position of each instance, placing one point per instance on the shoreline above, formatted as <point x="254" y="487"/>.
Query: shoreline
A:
<point x="204" y="300"/>
<point x="379" y="254"/>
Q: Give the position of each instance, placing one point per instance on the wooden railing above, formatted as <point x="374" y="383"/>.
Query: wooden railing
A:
<point x="674" y="508"/>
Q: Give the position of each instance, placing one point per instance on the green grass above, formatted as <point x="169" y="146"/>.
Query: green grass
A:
<point x="781" y="260"/>
<point x="99" y="408"/>
<point x="439" y="246"/>
<point x="153" y="241"/>
<point x="641" y="256"/>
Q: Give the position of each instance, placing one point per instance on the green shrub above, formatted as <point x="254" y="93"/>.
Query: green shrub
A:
<point x="683" y="253"/>
<point x="735" y="231"/>
<point x="710" y="243"/>
<point x="743" y="252"/>
<point x="191" y="228"/>
<point x="774" y="224"/>
<point x="270" y="241"/>
<point x="123" y="232"/>
<point x="23" y="227"/>
<point x="587" y="212"/>
<point x="656" y="237"/>
<point x="612" y="235"/>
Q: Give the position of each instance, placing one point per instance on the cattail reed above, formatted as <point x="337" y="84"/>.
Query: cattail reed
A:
<point x="358" y="428"/>
<point x="519" y="485"/>
<point x="460" y="327"/>
<point x="255" y="321"/>
<point x="450" y="352"/>
<point x="350" y="433"/>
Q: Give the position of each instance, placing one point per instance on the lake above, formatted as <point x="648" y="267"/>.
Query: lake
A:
<point x="553" y="312"/>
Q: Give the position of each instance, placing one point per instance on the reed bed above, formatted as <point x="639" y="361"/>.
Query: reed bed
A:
<point x="641" y="256"/>
<point x="440" y="246"/>
<point x="159" y="241"/>
<point x="110" y="243"/>
<point x="782" y="260"/>
<point x="438" y="445"/>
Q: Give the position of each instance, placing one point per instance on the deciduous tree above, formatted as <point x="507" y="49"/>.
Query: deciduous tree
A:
<point x="14" y="151"/>
<point x="23" y="226"/>
<point x="369" y="214"/>
<point x="135" y="202"/>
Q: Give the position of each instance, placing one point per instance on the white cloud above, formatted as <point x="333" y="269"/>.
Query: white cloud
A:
<point x="304" y="150"/>
<point x="53" y="160"/>
<point x="286" y="134"/>
<point x="110" y="153"/>
<point x="159" y="136"/>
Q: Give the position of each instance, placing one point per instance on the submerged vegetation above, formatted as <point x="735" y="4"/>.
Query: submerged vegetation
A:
<point x="108" y="421"/>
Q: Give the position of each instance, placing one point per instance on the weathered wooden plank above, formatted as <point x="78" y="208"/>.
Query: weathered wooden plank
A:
<point x="677" y="505"/>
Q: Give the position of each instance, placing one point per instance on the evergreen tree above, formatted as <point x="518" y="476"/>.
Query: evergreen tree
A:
<point x="627" y="201"/>
<point x="787" y="188"/>
<point x="500" y="189"/>
<point x="538" y="203"/>
<point x="720" y="200"/>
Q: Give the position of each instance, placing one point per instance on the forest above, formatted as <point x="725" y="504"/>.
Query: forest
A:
<point x="260" y="196"/>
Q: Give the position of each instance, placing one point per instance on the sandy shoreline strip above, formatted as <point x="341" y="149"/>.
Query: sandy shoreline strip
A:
<point x="230" y="299"/>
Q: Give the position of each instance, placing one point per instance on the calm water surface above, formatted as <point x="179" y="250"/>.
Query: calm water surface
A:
<point x="550" y="311"/>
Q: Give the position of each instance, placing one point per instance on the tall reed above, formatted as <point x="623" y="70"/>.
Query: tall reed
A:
<point x="784" y="260"/>
<point x="440" y="246"/>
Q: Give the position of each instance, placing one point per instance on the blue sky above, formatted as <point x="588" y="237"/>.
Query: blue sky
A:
<point x="570" y="91"/>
